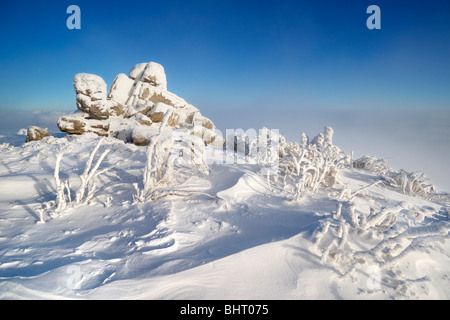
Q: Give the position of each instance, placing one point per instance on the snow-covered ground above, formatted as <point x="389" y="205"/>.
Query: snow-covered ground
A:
<point x="229" y="233"/>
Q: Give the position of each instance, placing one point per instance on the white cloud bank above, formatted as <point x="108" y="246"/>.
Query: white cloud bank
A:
<point x="12" y="121"/>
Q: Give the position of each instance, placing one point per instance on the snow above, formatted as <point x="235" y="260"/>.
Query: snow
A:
<point x="22" y="132"/>
<point x="154" y="74"/>
<point x="160" y="107"/>
<point x="90" y="85"/>
<point x="228" y="233"/>
<point x="138" y="70"/>
<point x="121" y="88"/>
<point x="151" y="72"/>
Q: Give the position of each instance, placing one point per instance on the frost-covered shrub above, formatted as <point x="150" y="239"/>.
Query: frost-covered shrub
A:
<point x="60" y="197"/>
<point x="86" y="190"/>
<point x="328" y="135"/>
<point x="157" y="168"/>
<point x="372" y="164"/>
<point x="309" y="165"/>
<point x="238" y="142"/>
<point x="265" y="147"/>
<point x="90" y="173"/>
<point x="251" y="146"/>
<point x="167" y="153"/>
<point x="350" y="237"/>
<point x="413" y="183"/>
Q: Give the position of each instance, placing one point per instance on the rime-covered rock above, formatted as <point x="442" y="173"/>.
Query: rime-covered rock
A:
<point x="22" y="132"/>
<point x="79" y="123"/>
<point x="36" y="133"/>
<point x="121" y="89"/>
<point x="89" y="88"/>
<point x="142" y="135"/>
<point x="138" y="100"/>
<point x="152" y="73"/>
<point x="91" y="96"/>
<point x="90" y="85"/>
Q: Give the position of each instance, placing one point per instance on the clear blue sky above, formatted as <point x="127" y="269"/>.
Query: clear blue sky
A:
<point x="231" y="53"/>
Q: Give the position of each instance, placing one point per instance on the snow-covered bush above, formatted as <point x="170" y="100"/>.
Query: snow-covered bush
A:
<point x="61" y="200"/>
<point x="350" y="237"/>
<point x="309" y="165"/>
<point x="413" y="183"/>
<point x="86" y="190"/>
<point x="265" y="148"/>
<point x="372" y="164"/>
<point x="261" y="147"/>
<point x="90" y="174"/>
<point x="158" y="167"/>
<point x="166" y="154"/>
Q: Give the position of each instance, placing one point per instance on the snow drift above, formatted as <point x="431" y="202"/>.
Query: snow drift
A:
<point x="174" y="216"/>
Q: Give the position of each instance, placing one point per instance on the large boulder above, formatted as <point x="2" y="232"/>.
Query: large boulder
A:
<point x="79" y="123"/>
<point x="121" y="89"/>
<point x="90" y="85"/>
<point x="152" y="73"/>
<point x="36" y="133"/>
<point x="91" y="95"/>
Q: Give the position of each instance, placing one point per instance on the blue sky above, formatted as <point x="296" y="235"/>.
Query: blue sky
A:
<point x="233" y="53"/>
<point x="294" y="65"/>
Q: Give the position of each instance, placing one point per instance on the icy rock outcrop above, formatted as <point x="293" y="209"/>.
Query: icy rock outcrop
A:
<point x="151" y="72"/>
<point x="80" y="122"/>
<point x="137" y="100"/>
<point x="36" y="133"/>
<point x="91" y="96"/>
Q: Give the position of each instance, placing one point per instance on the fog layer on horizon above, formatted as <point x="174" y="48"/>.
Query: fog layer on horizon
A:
<point x="414" y="140"/>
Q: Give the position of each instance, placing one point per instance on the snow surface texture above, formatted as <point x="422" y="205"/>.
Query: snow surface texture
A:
<point x="86" y="217"/>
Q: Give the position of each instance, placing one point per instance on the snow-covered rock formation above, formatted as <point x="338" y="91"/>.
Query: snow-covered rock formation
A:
<point x="35" y="133"/>
<point x="134" y="107"/>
